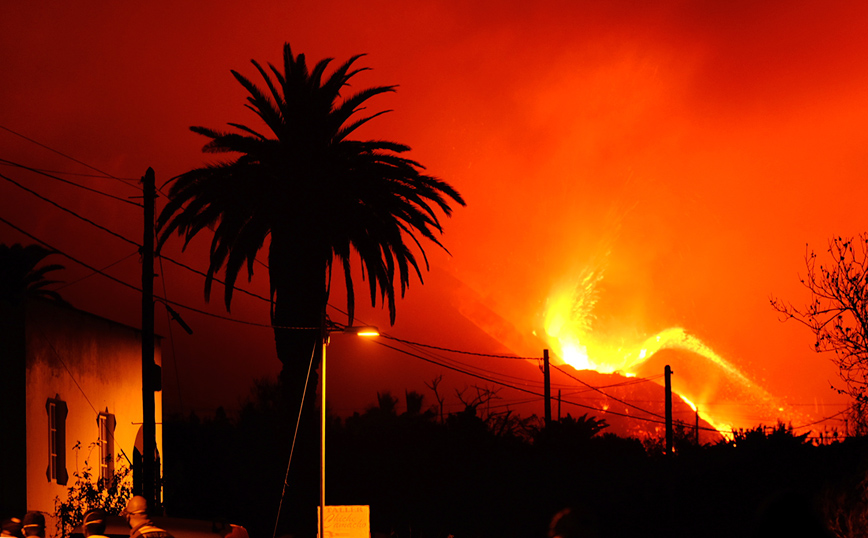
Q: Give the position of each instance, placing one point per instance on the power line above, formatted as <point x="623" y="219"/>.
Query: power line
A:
<point x="589" y="387"/>
<point x="632" y="381"/>
<point x="215" y="279"/>
<point x="135" y="288"/>
<point x="603" y="411"/>
<point x="74" y="184"/>
<point x="605" y="394"/>
<point x="514" y="357"/>
<point x="94" y="269"/>
<point x="123" y="238"/>
<point x="106" y="174"/>
<point x="101" y="271"/>
<point x="465" y="365"/>
<point x="64" y="172"/>
<point x="71" y="212"/>
<point x="839" y="413"/>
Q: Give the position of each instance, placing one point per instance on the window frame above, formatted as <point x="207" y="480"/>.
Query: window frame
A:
<point x="52" y="440"/>
<point x="56" y="412"/>
<point x="105" y="437"/>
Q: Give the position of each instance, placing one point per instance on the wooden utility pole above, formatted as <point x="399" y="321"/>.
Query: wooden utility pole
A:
<point x="697" y="426"/>
<point x="149" y="428"/>
<point x="548" y="387"/>
<point x="667" y="372"/>
<point x="559" y="405"/>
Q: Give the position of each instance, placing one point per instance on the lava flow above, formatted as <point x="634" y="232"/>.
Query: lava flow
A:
<point x="713" y="387"/>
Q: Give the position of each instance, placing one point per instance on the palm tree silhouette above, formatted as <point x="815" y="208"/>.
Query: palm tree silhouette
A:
<point x="20" y="277"/>
<point x="315" y="196"/>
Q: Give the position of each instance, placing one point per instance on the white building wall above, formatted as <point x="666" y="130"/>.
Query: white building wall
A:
<point x="94" y="365"/>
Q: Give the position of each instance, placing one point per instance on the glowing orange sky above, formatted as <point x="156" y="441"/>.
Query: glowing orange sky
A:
<point x="691" y="149"/>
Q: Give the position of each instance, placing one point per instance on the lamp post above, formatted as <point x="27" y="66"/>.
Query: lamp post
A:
<point x="367" y="331"/>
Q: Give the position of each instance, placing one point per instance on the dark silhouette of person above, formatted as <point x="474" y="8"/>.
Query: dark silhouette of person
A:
<point x="94" y="523"/>
<point x="574" y="522"/>
<point x="11" y="527"/>
<point x="789" y="513"/>
<point x="141" y="526"/>
<point x="34" y="524"/>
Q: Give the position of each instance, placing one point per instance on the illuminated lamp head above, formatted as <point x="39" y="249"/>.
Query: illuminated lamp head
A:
<point x="363" y="331"/>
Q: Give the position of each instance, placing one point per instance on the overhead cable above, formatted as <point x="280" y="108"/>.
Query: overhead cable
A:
<point x="514" y="357"/>
<point x="71" y="212"/>
<point x="74" y="184"/>
<point x="135" y="288"/>
<point x="64" y="172"/>
<point x="603" y="411"/>
<point x="652" y="413"/>
<point x="122" y="237"/>
<point x="66" y="156"/>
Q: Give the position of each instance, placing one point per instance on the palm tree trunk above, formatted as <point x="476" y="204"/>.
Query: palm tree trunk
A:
<point x="298" y="320"/>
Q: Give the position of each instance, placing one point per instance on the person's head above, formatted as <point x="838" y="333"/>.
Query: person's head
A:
<point x="94" y="522"/>
<point x="574" y="522"/>
<point x="136" y="511"/>
<point x="34" y="524"/>
<point x="11" y="526"/>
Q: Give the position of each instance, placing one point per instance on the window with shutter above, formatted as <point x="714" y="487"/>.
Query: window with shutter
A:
<point x="57" y="411"/>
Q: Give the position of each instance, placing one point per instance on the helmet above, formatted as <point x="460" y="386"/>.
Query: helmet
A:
<point x="94" y="522"/>
<point x="95" y="516"/>
<point x="34" y="524"/>
<point x="137" y="505"/>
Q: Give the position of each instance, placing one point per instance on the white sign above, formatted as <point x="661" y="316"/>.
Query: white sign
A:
<point x="346" y="521"/>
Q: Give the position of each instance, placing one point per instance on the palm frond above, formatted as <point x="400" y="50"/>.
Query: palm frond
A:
<point x="328" y="196"/>
<point x="248" y="130"/>
<point x="340" y="76"/>
<point x="351" y="105"/>
<point x="345" y="131"/>
<point x="264" y="107"/>
<point x="276" y="96"/>
<point x="21" y="276"/>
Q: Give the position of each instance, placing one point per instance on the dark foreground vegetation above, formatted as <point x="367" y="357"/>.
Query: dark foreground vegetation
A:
<point x="469" y="475"/>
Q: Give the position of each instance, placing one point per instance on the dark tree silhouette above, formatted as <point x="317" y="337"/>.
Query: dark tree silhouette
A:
<point x="838" y="316"/>
<point x="466" y="477"/>
<point x="315" y="196"/>
<point x="21" y="278"/>
<point x="570" y="435"/>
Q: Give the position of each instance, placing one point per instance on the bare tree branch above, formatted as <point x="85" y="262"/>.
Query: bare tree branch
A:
<point x="838" y="315"/>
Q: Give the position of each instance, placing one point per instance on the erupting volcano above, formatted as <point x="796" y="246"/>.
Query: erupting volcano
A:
<point x="719" y="392"/>
<point x="709" y="383"/>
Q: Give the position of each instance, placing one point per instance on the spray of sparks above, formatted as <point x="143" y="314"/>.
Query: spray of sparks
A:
<point x="569" y="320"/>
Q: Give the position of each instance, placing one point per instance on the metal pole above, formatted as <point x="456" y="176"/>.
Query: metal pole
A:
<point x="149" y="443"/>
<point x="667" y="371"/>
<point x="548" y="387"/>
<point x="322" y="460"/>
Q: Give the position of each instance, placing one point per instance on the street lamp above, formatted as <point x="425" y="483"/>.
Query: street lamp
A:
<point x="366" y="331"/>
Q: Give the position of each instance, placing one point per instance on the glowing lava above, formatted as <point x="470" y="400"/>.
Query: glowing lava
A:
<point x="700" y="374"/>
